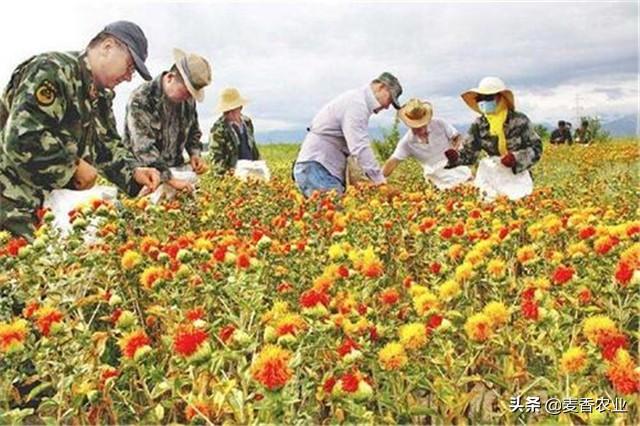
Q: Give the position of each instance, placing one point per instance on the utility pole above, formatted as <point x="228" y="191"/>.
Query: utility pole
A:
<point x="578" y="109"/>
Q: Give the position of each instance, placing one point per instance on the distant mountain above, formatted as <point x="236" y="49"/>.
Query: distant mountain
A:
<point x="623" y="126"/>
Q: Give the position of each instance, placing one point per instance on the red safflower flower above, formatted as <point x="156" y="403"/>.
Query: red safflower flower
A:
<point x="389" y="296"/>
<point x="133" y="341"/>
<point x="14" y="245"/>
<point x="30" y="309"/>
<point x="106" y="374"/>
<point x="529" y="309"/>
<point x="219" y="253"/>
<point x="188" y="340"/>
<point x="226" y="332"/>
<point x="605" y="247"/>
<point x="584" y="296"/>
<point x="284" y="287"/>
<point x="563" y="274"/>
<point x="343" y="271"/>
<point x="195" y="314"/>
<point x="271" y="367"/>
<point x="373" y="333"/>
<point x="610" y="341"/>
<point x="446" y="232"/>
<point x="435" y="267"/>
<point x="350" y="382"/>
<point x="329" y="384"/>
<point x="373" y="269"/>
<point x="623" y="274"/>
<point x="587" y="232"/>
<point x="243" y="261"/>
<point x="434" y="322"/>
<point x="311" y="298"/>
<point x="346" y="347"/>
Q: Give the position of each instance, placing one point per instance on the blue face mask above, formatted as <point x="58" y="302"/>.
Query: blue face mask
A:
<point x="487" y="107"/>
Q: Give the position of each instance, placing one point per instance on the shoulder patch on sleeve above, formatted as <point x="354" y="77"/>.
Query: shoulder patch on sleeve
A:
<point x="46" y="93"/>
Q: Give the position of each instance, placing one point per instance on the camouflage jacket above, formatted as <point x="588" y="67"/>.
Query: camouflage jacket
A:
<point x="522" y="141"/>
<point x="51" y="115"/>
<point x="224" y="144"/>
<point x="582" y="136"/>
<point x="157" y="130"/>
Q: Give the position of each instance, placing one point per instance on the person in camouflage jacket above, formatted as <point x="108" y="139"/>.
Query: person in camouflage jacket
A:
<point x="232" y="137"/>
<point x="514" y="141"/>
<point x="162" y="121"/>
<point x="57" y="128"/>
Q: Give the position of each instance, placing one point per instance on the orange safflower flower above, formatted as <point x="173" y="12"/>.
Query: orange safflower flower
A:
<point x="271" y="367"/>
<point x="12" y="335"/>
<point x="290" y="324"/>
<point x="134" y="343"/>
<point x="152" y="274"/>
<point x="478" y="327"/>
<point x="46" y="317"/>
<point x="197" y="408"/>
<point x="389" y="296"/>
<point x="373" y="269"/>
<point x="623" y="374"/>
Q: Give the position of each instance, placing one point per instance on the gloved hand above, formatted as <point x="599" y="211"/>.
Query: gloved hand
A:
<point x="509" y="160"/>
<point x="452" y="155"/>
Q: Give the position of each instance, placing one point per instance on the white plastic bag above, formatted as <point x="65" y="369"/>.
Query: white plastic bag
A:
<point x="62" y="201"/>
<point x="446" y="178"/>
<point x="246" y="169"/>
<point x="168" y="192"/>
<point x="494" y="179"/>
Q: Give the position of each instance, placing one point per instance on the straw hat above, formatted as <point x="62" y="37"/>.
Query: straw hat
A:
<point x="416" y="113"/>
<point x="488" y="86"/>
<point x="230" y="99"/>
<point x="195" y="72"/>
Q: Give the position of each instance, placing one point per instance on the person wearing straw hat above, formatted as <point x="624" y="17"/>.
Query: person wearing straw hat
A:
<point x="57" y="128"/>
<point x="231" y="137"/>
<point x="426" y="141"/>
<point x="338" y="132"/>
<point x="506" y="135"/>
<point x="161" y="119"/>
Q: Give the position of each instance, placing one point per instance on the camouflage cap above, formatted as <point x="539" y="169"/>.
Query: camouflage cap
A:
<point x="393" y="85"/>
<point x="135" y="40"/>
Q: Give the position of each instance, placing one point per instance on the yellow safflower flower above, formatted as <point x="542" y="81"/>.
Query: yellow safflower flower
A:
<point x="478" y="327"/>
<point x="449" y="289"/>
<point x="413" y="336"/>
<point x="573" y="360"/>
<point x="392" y="356"/>
<point x="425" y="302"/>
<point x="594" y="326"/>
<point x="464" y="272"/>
<point x="497" y="312"/>
<point x="497" y="268"/>
<point x="130" y="259"/>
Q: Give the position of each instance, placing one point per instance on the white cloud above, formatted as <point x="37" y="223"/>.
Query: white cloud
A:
<point x="290" y="57"/>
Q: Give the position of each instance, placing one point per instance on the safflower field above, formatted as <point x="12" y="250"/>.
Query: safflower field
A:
<point x="245" y="303"/>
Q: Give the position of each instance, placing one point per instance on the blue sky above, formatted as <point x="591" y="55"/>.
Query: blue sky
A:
<point x="291" y="57"/>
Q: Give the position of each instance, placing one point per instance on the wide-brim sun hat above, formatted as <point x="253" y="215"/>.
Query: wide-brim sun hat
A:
<point x="416" y="113"/>
<point x="195" y="72"/>
<point x="230" y="99"/>
<point x="488" y="86"/>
